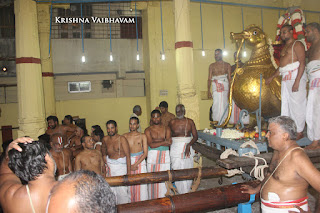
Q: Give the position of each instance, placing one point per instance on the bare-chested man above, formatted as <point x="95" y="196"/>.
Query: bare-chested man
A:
<point x="219" y="77"/>
<point x="166" y="116"/>
<point x="290" y="171"/>
<point x="61" y="156"/>
<point x="159" y="140"/>
<point x="54" y="127"/>
<point x="184" y="134"/>
<point x="116" y="151"/>
<point x="25" y="187"/>
<point x="75" y="143"/>
<point x="294" y="80"/>
<point x="89" y="159"/>
<point x="313" y="71"/>
<point x="138" y="152"/>
<point x="68" y="121"/>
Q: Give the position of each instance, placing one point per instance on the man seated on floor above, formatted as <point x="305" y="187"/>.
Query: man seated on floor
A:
<point x="89" y="158"/>
<point x="25" y="187"/>
<point x="82" y="192"/>
<point x="290" y="171"/>
<point x="97" y="136"/>
<point x="61" y="156"/>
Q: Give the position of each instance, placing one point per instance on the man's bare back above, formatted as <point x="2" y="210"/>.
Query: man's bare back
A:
<point x="63" y="162"/>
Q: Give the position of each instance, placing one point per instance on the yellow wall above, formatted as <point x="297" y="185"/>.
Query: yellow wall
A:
<point x="99" y="111"/>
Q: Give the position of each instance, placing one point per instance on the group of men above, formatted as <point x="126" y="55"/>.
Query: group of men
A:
<point x="136" y="152"/>
<point x="295" y="102"/>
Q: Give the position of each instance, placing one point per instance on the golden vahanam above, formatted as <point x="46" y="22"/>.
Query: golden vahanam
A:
<point x="245" y="84"/>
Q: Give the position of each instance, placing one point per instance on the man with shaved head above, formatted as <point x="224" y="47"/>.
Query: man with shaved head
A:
<point x="82" y="192"/>
<point x="89" y="158"/>
<point x="184" y="134"/>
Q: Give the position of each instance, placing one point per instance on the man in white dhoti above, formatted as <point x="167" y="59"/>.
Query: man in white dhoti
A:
<point x="290" y="172"/>
<point x="313" y="71"/>
<point x="293" y="85"/>
<point x="138" y="151"/>
<point x="219" y="77"/>
<point x="159" y="140"/>
<point x="184" y="134"/>
<point x="115" y="149"/>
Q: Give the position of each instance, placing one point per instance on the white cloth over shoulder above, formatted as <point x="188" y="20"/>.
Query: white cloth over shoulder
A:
<point x="180" y="161"/>
<point x="158" y="161"/>
<point x="293" y="104"/>
<point x="313" y="104"/>
<point x="139" y="192"/>
<point x="118" y="167"/>
<point x="220" y="88"/>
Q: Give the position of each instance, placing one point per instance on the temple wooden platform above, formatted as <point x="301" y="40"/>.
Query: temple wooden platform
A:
<point x="234" y="162"/>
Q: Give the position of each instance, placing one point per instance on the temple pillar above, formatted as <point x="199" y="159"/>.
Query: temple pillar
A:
<point x="28" y="66"/>
<point x="186" y="91"/>
<point x="46" y="59"/>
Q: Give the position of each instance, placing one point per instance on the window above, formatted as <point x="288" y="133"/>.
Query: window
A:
<point x="81" y="86"/>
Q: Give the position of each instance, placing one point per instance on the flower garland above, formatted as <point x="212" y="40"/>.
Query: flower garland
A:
<point x="297" y="20"/>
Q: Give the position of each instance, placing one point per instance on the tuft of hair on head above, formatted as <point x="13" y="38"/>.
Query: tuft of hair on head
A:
<point x="286" y="124"/>
<point x="155" y="111"/>
<point x="69" y="117"/>
<point x="54" y="118"/>
<point x="30" y="163"/>
<point x="288" y="26"/>
<point x="98" y="132"/>
<point x="314" y="25"/>
<point x="112" y="122"/>
<point x="136" y="108"/>
<point x="163" y="104"/>
<point x="134" y="118"/>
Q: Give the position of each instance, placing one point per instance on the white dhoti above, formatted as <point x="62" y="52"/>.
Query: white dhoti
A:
<point x="158" y="160"/>
<point x="275" y="205"/>
<point x="139" y="192"/>
<point x="180" y="161"/>
<point x="235" y="115"/>
<point x="220" y="88"/>
<point x="313" y="104"/>
<point x="118" y="167"/>
<point x="293" y="104"/>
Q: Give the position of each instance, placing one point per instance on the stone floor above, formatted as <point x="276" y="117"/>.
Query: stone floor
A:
<point x="213" y="183"/>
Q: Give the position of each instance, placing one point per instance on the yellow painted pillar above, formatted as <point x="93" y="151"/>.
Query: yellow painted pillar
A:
<point x="46" y="59"/>
<point x="184" y="61"/>
<point x="29" y="78"/>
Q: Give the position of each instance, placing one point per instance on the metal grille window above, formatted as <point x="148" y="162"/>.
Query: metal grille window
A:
<point x="7" y="22"/>
<point x="81" y="86"/>
<point x="93" y="29"/>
